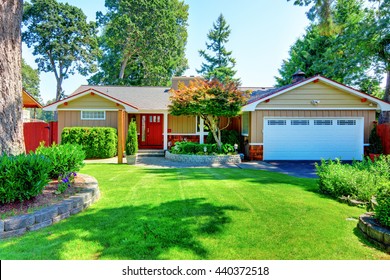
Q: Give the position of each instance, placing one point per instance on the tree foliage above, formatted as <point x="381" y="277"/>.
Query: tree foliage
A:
<point x="341" y="56"/>
<point x="143" y="42"/>
<point x="219" y="64"/>
<point x="30" y="80"/>
<point x="363" y="41"/>
<point x="61" y="37"/>
<point x="208" y="100"/>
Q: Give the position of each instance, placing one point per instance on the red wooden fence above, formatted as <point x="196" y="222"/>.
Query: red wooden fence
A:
<point x="37" y="132"/>
<point x="384" y="134"/>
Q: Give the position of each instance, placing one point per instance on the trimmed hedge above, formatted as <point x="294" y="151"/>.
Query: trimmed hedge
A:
<point x="191" y="148"/>
<point x="97" y="142"/>
<point x="64" y="158"/>
<point x="23" y="177"/>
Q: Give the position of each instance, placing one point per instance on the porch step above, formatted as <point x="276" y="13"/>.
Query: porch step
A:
<point x="151" y="153"/>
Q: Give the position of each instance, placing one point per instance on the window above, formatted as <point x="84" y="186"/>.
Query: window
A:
<point x="277" y="122"/>
<point x="205" y="127"/>
<point x="323" y="122"/>
<point x="346" y="122"/>
<point x="245" y="123"/>
<point x="300" y="122"/>
<point x="93" y="115"/>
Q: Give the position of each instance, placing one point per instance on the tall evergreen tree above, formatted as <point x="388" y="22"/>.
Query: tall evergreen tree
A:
<point x="219" y="64"/>
<point x="62" y="39"/>
<point x="143" y="42"/>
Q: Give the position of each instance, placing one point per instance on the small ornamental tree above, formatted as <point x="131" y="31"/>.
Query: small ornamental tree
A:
<point x="132" y="139"/>
<point x="209" y="100"/>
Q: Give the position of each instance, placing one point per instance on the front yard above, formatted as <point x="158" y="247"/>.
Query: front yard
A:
<point x="200" y="214"/>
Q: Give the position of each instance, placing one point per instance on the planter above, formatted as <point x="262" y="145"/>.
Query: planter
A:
<point x="375" y="232"/>
<point x="130" y="159"/>
<point x="204" y="159"/>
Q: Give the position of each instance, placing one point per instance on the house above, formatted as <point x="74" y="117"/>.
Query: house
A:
<point x="29" y="102"/>
<point x="310" y="119"/>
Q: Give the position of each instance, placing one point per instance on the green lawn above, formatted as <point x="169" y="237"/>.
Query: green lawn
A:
<point x="200" y="214"/>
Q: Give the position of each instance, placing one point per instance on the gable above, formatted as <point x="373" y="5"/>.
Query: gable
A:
<point x="326" y="96"/>
<point x="90" y="101"/>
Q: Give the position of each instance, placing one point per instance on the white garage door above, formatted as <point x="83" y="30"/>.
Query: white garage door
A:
<point x="313" y="139"/>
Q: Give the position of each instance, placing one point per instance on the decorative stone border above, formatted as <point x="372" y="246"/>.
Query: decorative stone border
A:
<point x="375" y="232"/>
<point x="206" y="159"/>
<point x="18" y="225"/>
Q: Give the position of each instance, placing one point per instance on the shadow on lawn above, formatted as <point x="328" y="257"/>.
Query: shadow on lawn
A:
<point x="139" y="232"/>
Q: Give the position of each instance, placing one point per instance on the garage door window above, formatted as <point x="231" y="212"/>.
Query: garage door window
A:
<point x="323" y="122"/>
<point x="277" y="122"/>
<point x="346" y="122"/>
<point x="300" y="122"/>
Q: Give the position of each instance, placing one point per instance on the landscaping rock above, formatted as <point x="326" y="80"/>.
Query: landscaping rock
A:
<point x="37" y="226"/>
<point x="76" y="210"/>
<point x="77" y="201"/>
<point x="386" y="238"/>
<point x="64" y="207"/>
<point x="18" y="222"/>
<point x="85" y="196"/>
<point x="12" y="233"/>
<point x="61" y="217"/>
<point x="45" y="214"/>
<point x="1" y="226"/>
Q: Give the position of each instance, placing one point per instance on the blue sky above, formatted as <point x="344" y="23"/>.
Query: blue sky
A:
<point x="262" y="33"/>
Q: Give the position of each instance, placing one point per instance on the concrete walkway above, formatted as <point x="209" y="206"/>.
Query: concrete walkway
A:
<point x="303" y="169"/>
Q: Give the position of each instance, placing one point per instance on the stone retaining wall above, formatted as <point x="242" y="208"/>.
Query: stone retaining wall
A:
<point x="18" y="225"/>
<point x="375" y="232"/>
<point x="206" y="159"/>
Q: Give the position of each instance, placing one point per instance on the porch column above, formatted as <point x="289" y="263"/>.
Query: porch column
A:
<point x="201" y="128"/>
<point x="165" y="131"/>
<point x="121" y="134"/>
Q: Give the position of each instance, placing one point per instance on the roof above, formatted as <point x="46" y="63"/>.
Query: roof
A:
<point x="263" y="95"/>
<point x="132" y="98"/>
<point x="29" y="101"/>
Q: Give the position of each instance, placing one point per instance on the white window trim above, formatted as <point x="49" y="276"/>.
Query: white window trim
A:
<point x="93" y="119"/>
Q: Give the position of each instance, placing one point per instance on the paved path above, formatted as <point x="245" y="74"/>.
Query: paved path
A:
<point x="304" y="169"/>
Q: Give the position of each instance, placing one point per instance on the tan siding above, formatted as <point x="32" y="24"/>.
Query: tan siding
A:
<point x="73" y="119"/>
<point x="91" y="102"/>
<point x="328" y="96"/>
<point x="182" y="124"/>
<point x="257" y="119"/>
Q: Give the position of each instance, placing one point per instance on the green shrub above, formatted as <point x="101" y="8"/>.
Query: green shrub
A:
<point x="227" y="137"/>
<point x="97" y="142"/>
<point x="22" y="177"/>
<point x="359" y="180"/>
<point x="132" y="139"/>
<point x="65" y="158"/>
<point x="191" y="148"/>
<point x="382" y="210"/>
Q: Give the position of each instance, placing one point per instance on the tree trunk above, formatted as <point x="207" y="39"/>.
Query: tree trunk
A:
<point x="11" y="125"/>
<point x="385" y="116"/>
<point x="123" y="67"/>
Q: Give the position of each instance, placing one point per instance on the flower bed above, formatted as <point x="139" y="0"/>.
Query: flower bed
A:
<point x="374" y="231"/>
<point x="88" y="193"/>
<point x="204" y="159"/>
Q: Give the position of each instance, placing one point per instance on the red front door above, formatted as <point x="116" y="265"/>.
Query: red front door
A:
<point x="151" y="136"/>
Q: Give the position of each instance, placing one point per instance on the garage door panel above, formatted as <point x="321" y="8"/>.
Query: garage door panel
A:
<point x="313" y="139"/>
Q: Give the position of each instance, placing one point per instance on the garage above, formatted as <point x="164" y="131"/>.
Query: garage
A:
<point x="313" y="138"/>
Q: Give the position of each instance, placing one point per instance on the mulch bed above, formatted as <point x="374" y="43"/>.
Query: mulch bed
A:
<point x="46" y="198"/>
